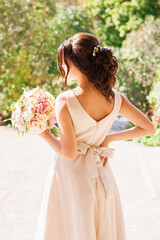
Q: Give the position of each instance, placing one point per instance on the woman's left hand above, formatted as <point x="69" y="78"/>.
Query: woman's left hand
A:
<point x="52" y="121"/>
<point x="104" y="160"/>
<point x="43" y="134"/>
<point x="105" y="143"/>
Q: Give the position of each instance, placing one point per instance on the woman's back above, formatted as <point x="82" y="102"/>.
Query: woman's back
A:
<point x="94" y="102"/>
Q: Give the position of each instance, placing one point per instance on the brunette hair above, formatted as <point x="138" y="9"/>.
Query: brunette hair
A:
<point x="99" y="66"/>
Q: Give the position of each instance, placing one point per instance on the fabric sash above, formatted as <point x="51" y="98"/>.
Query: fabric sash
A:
<point x="93" y="162"/>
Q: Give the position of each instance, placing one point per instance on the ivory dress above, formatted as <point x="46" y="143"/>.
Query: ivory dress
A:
<point x="81" y="200"/>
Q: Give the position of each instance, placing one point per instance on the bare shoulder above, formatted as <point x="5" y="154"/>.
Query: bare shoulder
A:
<point x="126" y="103"/>
<point x="124" y="98"/>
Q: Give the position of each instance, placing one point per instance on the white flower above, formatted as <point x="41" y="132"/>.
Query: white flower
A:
<point x="27" y="115"/>
<point x="42" y="118"/>
<point x="28" y="104"/>
<point x="32" y="100"/>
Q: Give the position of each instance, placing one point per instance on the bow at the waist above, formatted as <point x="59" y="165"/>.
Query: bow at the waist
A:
<point x="93" y="162"/>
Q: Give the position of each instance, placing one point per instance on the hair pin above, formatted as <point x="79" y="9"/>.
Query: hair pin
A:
<point x="96" y="49"/>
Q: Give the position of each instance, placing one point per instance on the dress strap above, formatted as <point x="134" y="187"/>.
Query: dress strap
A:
<point x="71" y="104"/>
<point x="118" y="101"/>
<point x="68" y="94"/>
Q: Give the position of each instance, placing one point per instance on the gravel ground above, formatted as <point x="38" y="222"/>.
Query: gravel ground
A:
<point x="24" y="165"/>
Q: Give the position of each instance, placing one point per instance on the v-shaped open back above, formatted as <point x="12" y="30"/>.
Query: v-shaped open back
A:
<point x="86" y="113"/>
<point x="86" y="128"/>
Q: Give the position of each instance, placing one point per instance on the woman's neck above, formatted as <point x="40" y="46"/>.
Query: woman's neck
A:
<point x="85" y="84"/>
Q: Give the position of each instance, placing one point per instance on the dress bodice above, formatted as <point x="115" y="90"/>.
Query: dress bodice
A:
<point x="86" y="128"/>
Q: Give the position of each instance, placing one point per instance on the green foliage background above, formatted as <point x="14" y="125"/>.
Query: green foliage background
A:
<point x="31" y="32"/>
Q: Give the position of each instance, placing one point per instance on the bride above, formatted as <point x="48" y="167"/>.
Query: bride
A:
<point x="81" y="200"/>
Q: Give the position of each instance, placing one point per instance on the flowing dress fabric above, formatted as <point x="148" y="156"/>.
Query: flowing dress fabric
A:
<point x="81" y="200"/>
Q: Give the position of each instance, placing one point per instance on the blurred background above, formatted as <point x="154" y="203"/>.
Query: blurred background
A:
<point x="30" y="34"/>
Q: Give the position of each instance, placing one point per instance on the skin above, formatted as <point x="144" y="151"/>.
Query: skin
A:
<point x="90" y="98"/>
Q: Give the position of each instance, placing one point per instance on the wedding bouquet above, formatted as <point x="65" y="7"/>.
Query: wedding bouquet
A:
<point x="34" y="112"/>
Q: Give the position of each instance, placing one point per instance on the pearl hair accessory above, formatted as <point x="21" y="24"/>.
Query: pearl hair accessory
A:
<point x="96" y="49"/>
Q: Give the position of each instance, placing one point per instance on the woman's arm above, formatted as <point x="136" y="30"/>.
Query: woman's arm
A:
<point x="66" y="146"/>
<point x="143" y="126"/>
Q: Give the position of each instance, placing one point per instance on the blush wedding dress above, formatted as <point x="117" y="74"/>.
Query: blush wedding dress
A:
<point x="81" y="200"/>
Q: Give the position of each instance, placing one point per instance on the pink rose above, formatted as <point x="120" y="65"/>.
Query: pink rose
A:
<point x="33" y="119"/>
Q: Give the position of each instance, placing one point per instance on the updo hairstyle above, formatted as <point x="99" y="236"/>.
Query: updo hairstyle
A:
<point x="97" y="63"/>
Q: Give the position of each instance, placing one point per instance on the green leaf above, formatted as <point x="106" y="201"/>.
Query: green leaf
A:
<point x="6" y="119"/>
